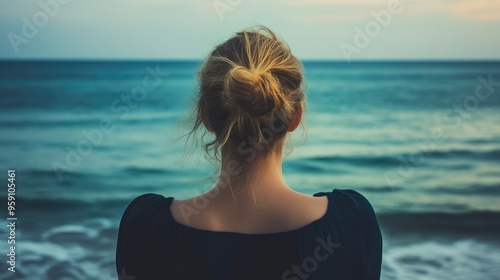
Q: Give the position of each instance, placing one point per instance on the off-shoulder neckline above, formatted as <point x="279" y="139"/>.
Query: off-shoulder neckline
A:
<point x="303" y="228"/>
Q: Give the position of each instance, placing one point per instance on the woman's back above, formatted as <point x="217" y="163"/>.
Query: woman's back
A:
<point x="251" y="224"/>
<point x="276" y="211"/>
<point x="344" y="243"/>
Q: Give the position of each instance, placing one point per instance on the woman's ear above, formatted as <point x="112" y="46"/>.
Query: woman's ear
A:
<point x="296" y="120"/>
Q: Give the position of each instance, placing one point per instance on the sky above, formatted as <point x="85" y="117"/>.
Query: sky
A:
<point x="189" y="29"/>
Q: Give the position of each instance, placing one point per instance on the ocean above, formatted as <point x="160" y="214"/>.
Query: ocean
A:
<point x="421" y="140"/>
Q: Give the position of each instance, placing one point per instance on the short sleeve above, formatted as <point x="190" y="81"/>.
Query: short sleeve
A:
<point x="133" y="236"/>
<point x="371" y="238"/>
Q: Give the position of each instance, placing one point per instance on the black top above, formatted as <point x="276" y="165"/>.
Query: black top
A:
<point x="345" y="243"/>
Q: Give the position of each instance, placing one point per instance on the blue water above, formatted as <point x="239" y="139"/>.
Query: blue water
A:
<point x="414" y="137"/>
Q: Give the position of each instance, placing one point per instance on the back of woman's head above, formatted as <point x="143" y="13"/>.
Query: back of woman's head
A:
<point x="250" y="91"/>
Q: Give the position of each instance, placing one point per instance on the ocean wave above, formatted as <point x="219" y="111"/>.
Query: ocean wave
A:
<point x="51" y="203"/>
<point x="34" y="172"/>
<point x="395" y="160"/>
<point x="88" y="229"/>
<point x="136" y="170"/>
<point x="132" y="170"/>
<point x="87" y="122"/>
<point x="430" y="260"/>
<point x="476" y="189"/>
<point x="357" y="160"/>
<point x="472" y="222"/>
<point x="48" y="260"/>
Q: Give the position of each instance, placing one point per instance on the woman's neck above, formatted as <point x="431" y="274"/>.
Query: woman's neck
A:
<point x="262" y="177"/>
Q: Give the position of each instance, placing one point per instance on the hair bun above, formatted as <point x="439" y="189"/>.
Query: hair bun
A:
<point x="252" y="92"/>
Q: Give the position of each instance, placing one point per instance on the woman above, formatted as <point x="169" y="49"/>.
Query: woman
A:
<point x="251" y="225"/>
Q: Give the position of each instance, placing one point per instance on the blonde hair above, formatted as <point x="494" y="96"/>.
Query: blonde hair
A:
<point x="250" y="86"/>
